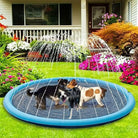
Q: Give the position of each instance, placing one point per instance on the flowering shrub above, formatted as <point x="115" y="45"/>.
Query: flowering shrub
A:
<point x="106" y="62"/>
<point x="117" y="34"/>
<point x="109" y="19"/>
<point x="18" y="46"/>
<point x="14" y="72"/>
<point x="130" y="75"/>
<point x="10" y="77"/>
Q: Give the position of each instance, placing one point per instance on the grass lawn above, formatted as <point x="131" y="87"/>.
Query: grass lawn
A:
<point x="126" y="127"/>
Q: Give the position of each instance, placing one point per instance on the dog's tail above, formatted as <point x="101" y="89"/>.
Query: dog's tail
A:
<point x="30" y="92"/>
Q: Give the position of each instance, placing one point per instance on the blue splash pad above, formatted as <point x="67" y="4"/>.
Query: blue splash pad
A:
<point x="118" y="103"/>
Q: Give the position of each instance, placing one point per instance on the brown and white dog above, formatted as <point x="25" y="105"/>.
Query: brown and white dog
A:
<point x="88" y="93"/>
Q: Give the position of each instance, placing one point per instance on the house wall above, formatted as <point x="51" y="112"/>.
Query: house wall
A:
<point x="134" y="11"/>
<point x="125" y="10"/>
<point x="6" y="8"/>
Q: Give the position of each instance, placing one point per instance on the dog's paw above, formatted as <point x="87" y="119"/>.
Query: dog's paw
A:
<point x="80" y="107"/>
<point x="100" y="105"/>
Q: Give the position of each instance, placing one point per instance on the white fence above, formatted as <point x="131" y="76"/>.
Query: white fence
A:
<point x="48" y="33"/>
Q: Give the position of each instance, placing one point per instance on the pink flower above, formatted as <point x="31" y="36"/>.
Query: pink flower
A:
<point x="0" y="74"/>
<point x="3" y="82"/>
<point x="11" y="87"/>
<point x="4" y="70"/>
<point x="6" y="79"/>
<point x="136" y="83"/>
<point x="29" y="69"/>
<point x="19" y="78"/>
<point x="12" y="69"/>
<point x="10" y="76"/>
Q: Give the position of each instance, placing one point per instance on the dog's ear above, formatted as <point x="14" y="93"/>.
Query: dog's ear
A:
<point x="74" y="83"/>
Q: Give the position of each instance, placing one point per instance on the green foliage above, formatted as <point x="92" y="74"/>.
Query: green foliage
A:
<point x="14" y="72"/>
<point x="7" y="61"/>
<point x="33" y="42"/>
<point x="4" y="39"/>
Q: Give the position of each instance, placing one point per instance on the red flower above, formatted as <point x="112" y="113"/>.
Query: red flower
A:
<point x="29" y="69"/>
<point x="11" y="87"/>
<point x="136" y="83"/>
<point x="2" y="17"/>
<point x="60" y="55"/>
<point x="15" y="38"/>
<point x="2" y="26"/>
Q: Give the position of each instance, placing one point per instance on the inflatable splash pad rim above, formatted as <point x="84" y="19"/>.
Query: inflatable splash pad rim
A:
<point x="67" y="123"/>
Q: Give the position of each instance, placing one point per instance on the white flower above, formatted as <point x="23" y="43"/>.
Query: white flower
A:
<point x="18" y="45"/>
<point x="12" y="46"/>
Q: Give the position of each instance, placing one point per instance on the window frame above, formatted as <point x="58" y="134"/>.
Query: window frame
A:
<point x="58" y="5"/>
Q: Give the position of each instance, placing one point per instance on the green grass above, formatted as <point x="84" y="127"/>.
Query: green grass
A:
<point x="126" y="127"/>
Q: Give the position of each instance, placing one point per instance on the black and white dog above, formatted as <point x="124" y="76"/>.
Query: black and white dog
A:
<point x="49" y="91"/>
<point x="71" y="97"/>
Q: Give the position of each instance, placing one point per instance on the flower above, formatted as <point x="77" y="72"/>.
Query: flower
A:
<point x="1" y="25"/>
<point x="19" y="78"/>
<point x="109" y="19"/>
<point x="15" y="38"/>
<point x="11" y="87"/>
<point x="6" y="79"/>
<point x="29" y="69"/>
<point x="135" y="83"/>
<point x="106" y="62"/>
<point x="10" y="76"/>
<point x="2" y="17"/>
<point x="18" y="46"/>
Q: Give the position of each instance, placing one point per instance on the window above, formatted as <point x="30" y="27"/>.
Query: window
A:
<point x="116" y="8"/>
<point x="42" y="14"/>
<point x="18" y="14"/>
<point x="65" y="14"/>
<point x="129" y="11"/>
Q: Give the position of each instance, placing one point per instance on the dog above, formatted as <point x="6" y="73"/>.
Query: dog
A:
<point x="71" y="97"/>
<point x="88" y="93"/>
<point x="49" y="91"/>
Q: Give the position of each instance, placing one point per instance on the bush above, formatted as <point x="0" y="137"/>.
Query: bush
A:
<point x="106" y="62"/>
<point x="18" y="46"/>
<point x="57" y="51"/>
<point x="119" y="33"/>
<point x="109" y="19"/>
<point x="14" y="72"/>
<point x="130" y="75"/>
<point x="5" y="39"/>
